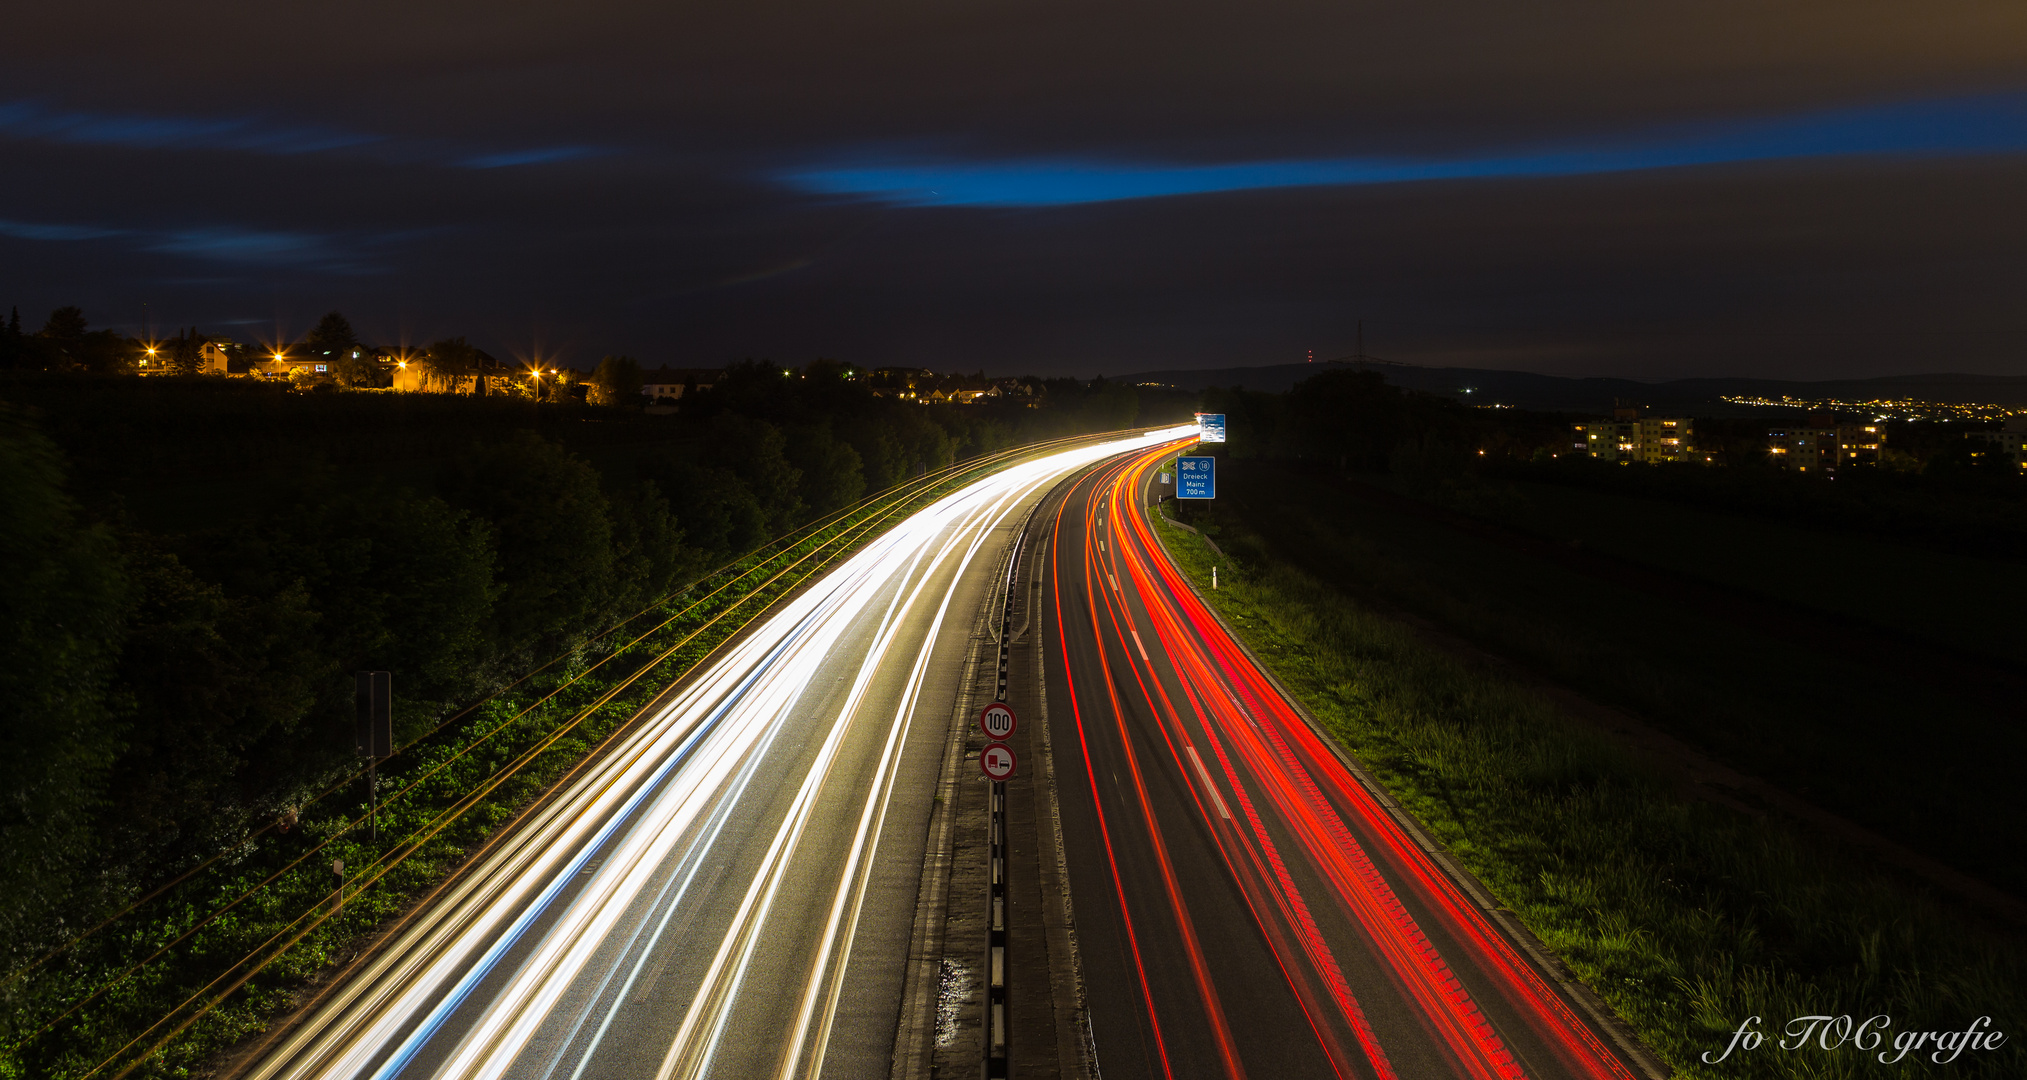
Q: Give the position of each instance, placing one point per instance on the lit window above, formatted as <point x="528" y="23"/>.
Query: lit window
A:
<point x="322" y="367"/>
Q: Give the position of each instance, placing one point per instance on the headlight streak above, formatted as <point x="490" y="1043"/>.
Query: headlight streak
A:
<point x="691" y="1056"/>
<point x="1250" y="731"/>
<point x="871" y="818"/>
<point x="620" y="794"/>
<point x="652" y="812"/>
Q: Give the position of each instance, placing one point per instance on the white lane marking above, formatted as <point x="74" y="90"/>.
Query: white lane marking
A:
<point x="1115" y="584"/>
<point x="1142" y="648"/>
<point x="1204" y="775"/>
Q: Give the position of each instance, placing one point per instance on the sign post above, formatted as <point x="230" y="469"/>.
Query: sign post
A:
<point x="373" y="702"/>
<point x="1196" y="478"/>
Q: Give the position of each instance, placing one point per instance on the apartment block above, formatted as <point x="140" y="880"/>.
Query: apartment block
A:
<point x="1824" y="445"/>
<point x="1628" y="437"/>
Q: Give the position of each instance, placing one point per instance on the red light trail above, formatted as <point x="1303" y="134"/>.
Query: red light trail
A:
<point x="1331" y="881"/>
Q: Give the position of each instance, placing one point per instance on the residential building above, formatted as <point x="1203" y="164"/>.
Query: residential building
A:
<point x="1629" y="437"/>
<point x="1821" y="444"/>
<point x="410" y="372"/>
<point x="223" y="356"/>
<point x="215" y="356"/>
<point x="904" y="384"/>
<point x="2007" y="441"/>
<point x="672" y="383"/>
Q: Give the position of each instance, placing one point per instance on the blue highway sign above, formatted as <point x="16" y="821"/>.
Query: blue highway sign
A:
<point x="1211" y="427"/>
<point x="1196" y="478"/>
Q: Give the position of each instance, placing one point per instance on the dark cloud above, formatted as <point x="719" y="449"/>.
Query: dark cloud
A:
<point x="1770" y="187"/>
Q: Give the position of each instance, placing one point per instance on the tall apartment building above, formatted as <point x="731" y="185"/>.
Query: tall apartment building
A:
<point x="1824" y="445"/>
<point x="1628" y="436"/>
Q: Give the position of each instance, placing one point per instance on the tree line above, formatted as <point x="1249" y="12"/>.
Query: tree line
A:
<point x="196" y="566"/>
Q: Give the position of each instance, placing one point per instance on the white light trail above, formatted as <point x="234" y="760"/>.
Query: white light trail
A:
<point x="656" y="808"/>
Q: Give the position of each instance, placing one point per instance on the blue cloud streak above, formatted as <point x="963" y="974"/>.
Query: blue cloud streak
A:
<point x="29" y="120"/>
<point x="1994" y="124"/>
<point x="224" y="243"/>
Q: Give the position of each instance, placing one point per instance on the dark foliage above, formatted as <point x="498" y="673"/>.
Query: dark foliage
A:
<point x="181" y="644"/>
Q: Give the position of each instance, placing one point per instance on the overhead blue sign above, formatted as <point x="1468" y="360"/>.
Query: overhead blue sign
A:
<point x="1196" y="478"/>
<point x="1210" y="427"/>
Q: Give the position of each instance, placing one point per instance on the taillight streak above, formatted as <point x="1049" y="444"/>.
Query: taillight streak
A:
<point x="1239" y="710"/>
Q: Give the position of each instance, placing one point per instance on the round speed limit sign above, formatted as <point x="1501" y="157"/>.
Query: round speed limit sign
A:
<point x="997" y="759"/>
<point x="997" y="721"/>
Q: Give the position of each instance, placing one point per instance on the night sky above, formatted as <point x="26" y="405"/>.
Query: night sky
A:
<point x="1653" y="189"/>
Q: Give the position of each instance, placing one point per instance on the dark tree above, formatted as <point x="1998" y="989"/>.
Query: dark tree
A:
<point x="616" y="382"/>
<point x="552" y="529"/>
<point x="66" y="324"/>
<point x="185" y="353"/>
<point x="832" y="475"/>
<point x="61" y="605"/>
<point x="12" y="347"/>
<point x="70" y="344"/>
<point x="332" y="332"/>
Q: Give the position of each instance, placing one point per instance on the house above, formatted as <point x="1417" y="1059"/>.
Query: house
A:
<point x="410" y="372"/>
<point x="667" y="383"/>
<point x="901" y="383"/>
<point x="215" y="356"/>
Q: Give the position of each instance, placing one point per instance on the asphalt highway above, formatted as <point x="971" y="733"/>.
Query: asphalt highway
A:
<point x="730" y="890"/>
<point x="1245" y="906"/>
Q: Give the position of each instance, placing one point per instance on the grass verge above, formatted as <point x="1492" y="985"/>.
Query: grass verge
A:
<point x="1686" y="917"/>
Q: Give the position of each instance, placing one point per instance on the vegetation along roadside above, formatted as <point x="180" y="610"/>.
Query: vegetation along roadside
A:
<point x="1687" y="917"/>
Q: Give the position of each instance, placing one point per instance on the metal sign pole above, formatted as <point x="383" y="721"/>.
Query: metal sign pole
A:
<point x="997" y="760"/>
<point x="373" y="701"/>
<point x="998" y="1041"/>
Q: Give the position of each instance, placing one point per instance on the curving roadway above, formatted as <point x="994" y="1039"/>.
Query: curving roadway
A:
<point x="1245" y="905"/>
<point x="729" y="890"/>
